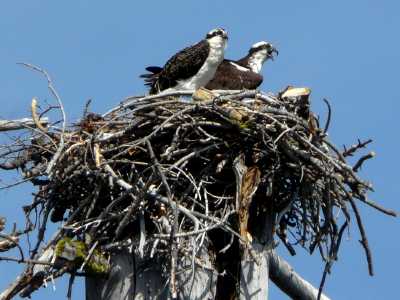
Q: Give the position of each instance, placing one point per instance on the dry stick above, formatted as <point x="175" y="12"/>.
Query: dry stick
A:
<point x="8" y="125"/>
<point x="339" y="239"/>
<point x="220" y="223"/>
<point x="161" y="126"/>
<point x="215" y="220"/>
<point x="333" y="255"/>
<point x="93" y="201"/>
<point x="129" y="102"/>
<point x="27" y="261"/>
<point x="141" y="107"/>
<point x="89" y="256"/>
<point x="119" y="181"/>
<point x="371" y="203"/>
<point x="11" y="150"/>
<point x="284" y="132"/>
<point x="42" y="229"/>
<point x="194" y="214"/>
<point x="365" y="200"/>
<point x="175" y="207"/>
<point x="279" y="113"/>
<point x="26" y="123"/>
<point x="354" y="148"/>
<point x="327" y="267"/>
<point x="337" y="164"/>
<point x="190" y="214"/>
<point x="194" y="153"/>
<point x="328" y="120"/>
<point x="328" y="158"/>
<point x="28" y="289"/>
<point x="118" y="134"/>
<point x="285" y="242"/>
<point x="35" y="116"/>
<point x="149" y="136"/>
<point x="17" y="285"/>
<point x="125" y="220"/>
<point x="13" y="242"/>
<point x="364" y="240"/>
<point x="332" y="147"/>
<point x="175" y="228"/>
<point x="70" y="283"/>
<point x="363" y="158"/>
<point x="50" y="166"/>
<point x="16" y="183"/>
<point x="22" y="281"/>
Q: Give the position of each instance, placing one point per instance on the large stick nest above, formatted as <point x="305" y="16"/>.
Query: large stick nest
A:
<point x="170" y="175"/>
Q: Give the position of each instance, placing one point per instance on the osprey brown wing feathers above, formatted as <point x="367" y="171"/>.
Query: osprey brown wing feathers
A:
<point x="230" y="77"/>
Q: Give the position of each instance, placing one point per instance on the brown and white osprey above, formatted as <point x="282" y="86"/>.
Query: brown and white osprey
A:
<point x="192" y="67"/>
<point x="245" y="72"/>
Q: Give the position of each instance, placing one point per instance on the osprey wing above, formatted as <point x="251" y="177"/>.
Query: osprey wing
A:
<point x="182" y="65"/>
<point x="151" y="78"/>
<point x="154" y="69"/>
<point x="231" y="76"/>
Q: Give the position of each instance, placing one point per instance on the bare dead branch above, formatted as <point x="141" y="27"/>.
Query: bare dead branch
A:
<point x="25" y="123"/>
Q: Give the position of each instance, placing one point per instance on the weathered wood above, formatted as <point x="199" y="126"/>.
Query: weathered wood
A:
<point x="119" y="285"/>
<point x="8" y="125"/>
<point x="289" y="282"/>
<point x="254" y="277"/>
<point x="204" y="283"/>
<point x="255" y="273"/>
<point x="131" y="278"/>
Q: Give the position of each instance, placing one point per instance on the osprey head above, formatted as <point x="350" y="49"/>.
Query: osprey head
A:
<point x="217" y="32"/>
<point x="263" y="49"/>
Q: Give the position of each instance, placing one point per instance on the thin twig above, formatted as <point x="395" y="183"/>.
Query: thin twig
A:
<point x="61" y="106"/>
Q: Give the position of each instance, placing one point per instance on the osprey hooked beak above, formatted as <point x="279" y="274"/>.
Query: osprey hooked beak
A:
<point x="270" y="52"/>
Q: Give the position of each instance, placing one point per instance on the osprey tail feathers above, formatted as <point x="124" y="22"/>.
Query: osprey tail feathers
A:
<point x="152" y="76"/>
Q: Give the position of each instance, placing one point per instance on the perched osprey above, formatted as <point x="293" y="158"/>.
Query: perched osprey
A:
<point x="190" y="68"/>
<point x="245" y="72"/>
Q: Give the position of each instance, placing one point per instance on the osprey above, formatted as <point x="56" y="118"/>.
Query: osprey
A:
<point x="190" y="68"/>
<point x="245" y="72"/>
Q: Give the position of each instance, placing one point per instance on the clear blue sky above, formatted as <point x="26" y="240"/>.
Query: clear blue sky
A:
<point x="346" y="51"/>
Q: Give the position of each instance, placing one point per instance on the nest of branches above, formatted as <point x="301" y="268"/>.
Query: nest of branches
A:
<point x="171" y="176"/>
